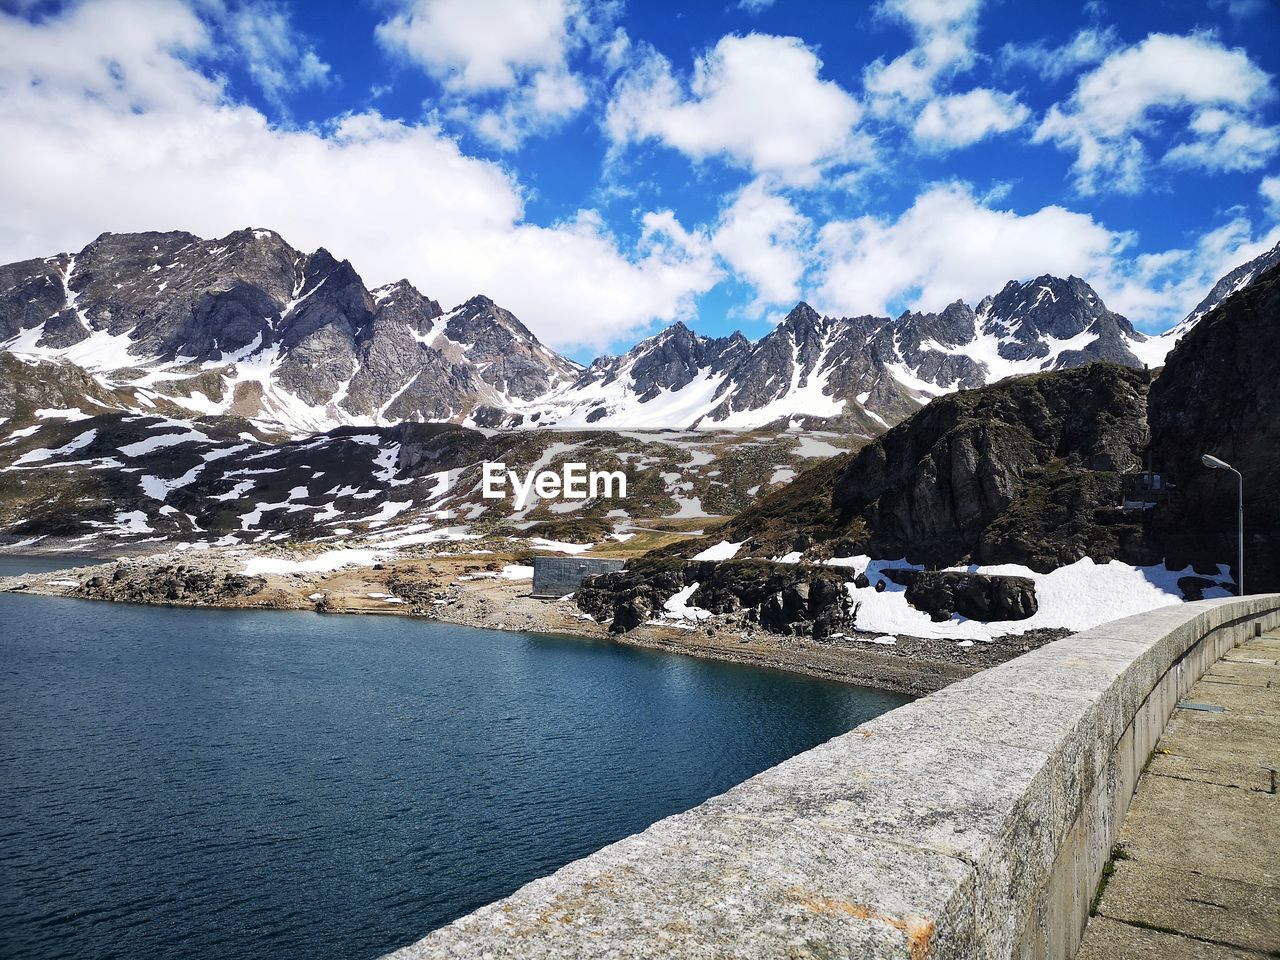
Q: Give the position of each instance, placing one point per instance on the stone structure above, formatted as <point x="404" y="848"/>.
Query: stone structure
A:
<point x="974" y="822"/>
<point x="560" y="576"/>
<point x="1195" y="872"/>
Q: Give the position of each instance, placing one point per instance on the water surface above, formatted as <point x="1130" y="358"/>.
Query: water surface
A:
<point x="193" y="783"/>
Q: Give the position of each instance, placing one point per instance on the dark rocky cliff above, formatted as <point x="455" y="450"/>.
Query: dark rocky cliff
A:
<point x="1026" y="471"/>
<point x="1219" y="393"/>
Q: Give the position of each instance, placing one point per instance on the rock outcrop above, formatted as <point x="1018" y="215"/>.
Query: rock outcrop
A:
<point x="142" y="581"/>
<point x="1219" y="393"/>
<point x="785" y="599"/>
<point x="976" y="596"/>
<point x="1026" y="471"/>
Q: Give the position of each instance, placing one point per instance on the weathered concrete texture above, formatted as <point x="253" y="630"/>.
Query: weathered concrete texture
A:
<point x="1200" y="849"/>
<point x="560" y="576"/>
<point x="1108" y="940"/>
<point x="975" y="822"/>
<point x="1199" y="905"/>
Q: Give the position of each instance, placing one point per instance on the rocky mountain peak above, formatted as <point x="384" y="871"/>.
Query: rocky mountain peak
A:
<point x="803" y="320"/>
<point x="398" y="293"/>
<point x="472" y="317"/>
<point x="321" y="349"/>
<point x="478" y="304"/>
<point x="248" y="324"/>
<point x="324" y="267"/>
<point x="1029" y="316"/>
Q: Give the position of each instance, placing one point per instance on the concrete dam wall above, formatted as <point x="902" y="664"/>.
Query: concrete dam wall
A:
<point x="974" y="822"/>
<point x="561" y="576"/>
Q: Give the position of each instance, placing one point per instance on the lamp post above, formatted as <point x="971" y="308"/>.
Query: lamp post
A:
<point x="1215" y="464"/>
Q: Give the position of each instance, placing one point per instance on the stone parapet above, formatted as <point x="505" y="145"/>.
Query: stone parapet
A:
<point x="972" y="823"/>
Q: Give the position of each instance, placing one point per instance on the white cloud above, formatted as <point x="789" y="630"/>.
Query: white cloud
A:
<point x="909" y="89"/>
<point x="762" y="236"/>
<point x="549" y="99"/>
<point x="757" y="100"/>
<point x="278" y="60"/>
<point x="518" y="49"/>
<point x="943" y="31"/>
<point x="1089" y="46"/>
<point x="1126" y="97"/>
<point x="1243" y="9"/>
<point x="1270" y="190"/>
<point x="966" y="118"/>
<point x="111" y="80"/>
<point x="754" y="6"/>
<point x="479" y="44"/>
<point x="950" y="246"/>
<point x="1224" y="141"/>
<point x="1159" y="289"/>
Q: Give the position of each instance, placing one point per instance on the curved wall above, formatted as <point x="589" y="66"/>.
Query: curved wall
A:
<point x="974" y="822"/>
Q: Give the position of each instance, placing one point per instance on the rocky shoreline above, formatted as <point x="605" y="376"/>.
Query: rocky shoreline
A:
<point x="470" y="589"/>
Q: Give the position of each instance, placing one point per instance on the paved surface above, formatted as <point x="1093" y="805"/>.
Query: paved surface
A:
<point x="1197" y="862"/>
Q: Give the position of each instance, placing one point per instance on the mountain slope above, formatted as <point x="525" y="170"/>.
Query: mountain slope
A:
<point x="1233" y="282"/>
<point x="866" y="373"/>
<point x="248" y="325"/>
<point x="1031" y="471"/>
<point x="1024" y="471"/>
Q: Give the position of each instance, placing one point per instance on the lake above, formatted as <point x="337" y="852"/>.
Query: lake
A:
<point x="194" y="783"/>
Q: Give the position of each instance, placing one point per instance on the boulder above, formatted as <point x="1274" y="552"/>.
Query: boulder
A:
<point x="975" y="596"/>
<point x="790" y="599"/>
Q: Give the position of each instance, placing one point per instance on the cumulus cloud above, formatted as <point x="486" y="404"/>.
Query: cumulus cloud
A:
<point x="112" y="80"/>
<point x="944" y="31"/>
<point x="517" y="51"/>
<point x="541" y="105"/>
<point x="966" y="118"/>
<point x="949" y="245"/>
<point x="763" y="237"/>
<point x="1224" y="141"/>
<point x="758" y="101"/>
<point x="910" y="89"/>
<point x="1137" y="89"/>
<point x="479" y="44"/>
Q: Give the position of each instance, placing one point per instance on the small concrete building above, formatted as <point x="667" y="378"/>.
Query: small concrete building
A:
<point x="560" y="576"/>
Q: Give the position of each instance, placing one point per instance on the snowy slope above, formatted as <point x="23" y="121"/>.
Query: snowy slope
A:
<point x="247" y="325"/>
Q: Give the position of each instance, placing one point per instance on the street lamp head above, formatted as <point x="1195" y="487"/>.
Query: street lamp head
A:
<point x="1214" y="463"/>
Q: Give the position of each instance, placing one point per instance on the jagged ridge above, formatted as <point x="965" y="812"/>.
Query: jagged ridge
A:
<point x="249" y="326"/>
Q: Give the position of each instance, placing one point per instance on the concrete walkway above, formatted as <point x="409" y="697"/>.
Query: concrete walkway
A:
<point x="1196" y="870"/>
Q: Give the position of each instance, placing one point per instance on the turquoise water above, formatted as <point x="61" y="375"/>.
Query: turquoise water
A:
<point x="190" y="783"/>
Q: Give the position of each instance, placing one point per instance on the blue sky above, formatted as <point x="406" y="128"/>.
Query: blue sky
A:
<point x="604" y="168"/>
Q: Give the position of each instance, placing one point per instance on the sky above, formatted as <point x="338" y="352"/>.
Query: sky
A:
<point x="603" y="168"/>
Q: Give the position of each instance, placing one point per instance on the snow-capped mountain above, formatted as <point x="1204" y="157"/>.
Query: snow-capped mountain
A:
<point x="247" y="325"/>
<point x="867" y="372"/>
<point x="250" y="326"/>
